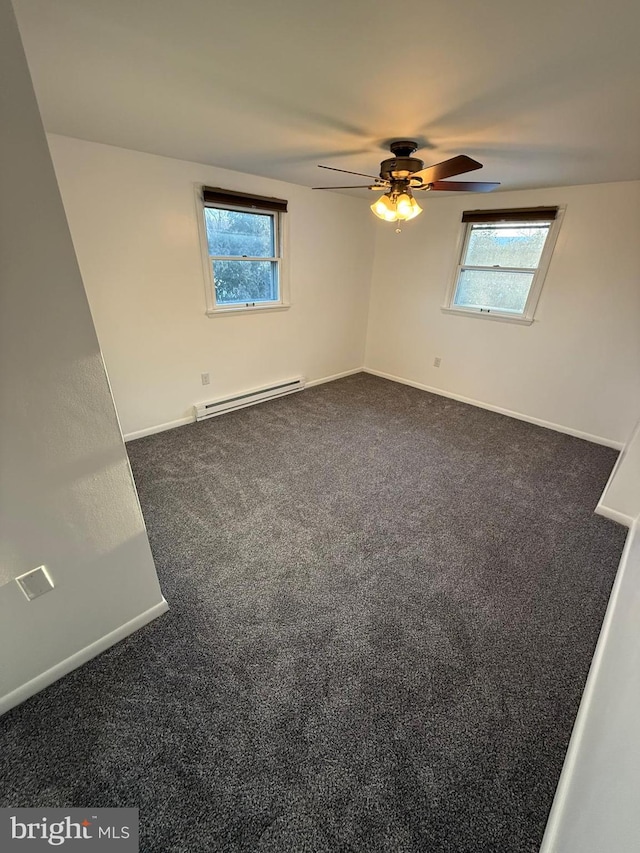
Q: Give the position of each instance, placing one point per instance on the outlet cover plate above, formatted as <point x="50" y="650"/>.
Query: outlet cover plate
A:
<point x="35" y="583"/>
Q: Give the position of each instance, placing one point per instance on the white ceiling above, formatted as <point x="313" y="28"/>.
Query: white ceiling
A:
<point x="543" y="93"/>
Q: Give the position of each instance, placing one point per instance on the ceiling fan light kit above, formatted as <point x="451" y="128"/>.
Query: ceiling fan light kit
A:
<point x="402" y="175"/>
<point x="393" y="206"/>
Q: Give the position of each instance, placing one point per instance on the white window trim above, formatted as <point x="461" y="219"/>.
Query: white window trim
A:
<point x="528" y="315"/>
<point x="282" y="241"/>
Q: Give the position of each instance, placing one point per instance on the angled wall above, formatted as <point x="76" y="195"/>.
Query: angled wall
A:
<point x="67" y="498"/>
<point x="621" y="497"/>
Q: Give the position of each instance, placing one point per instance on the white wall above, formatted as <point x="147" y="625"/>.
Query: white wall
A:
<point x="67" y="498"/>
<point x="596" y="804"/>
<point x="133" y="221"/>
<point x="577" y="366"/>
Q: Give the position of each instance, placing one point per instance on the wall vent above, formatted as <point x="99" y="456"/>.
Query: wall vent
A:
<point x="248" y="398"/>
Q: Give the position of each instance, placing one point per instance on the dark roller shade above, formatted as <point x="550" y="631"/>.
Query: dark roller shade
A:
<point x="513" y="214"/>
<point x="215" y="195"/>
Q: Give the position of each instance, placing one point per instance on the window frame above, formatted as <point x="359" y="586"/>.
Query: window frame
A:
<point x="539" y="274"/>
<point x="280" y="239"/>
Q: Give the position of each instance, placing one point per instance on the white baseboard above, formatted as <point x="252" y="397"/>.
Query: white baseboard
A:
<point x="614" y="515"/>
<point x="311" y="382"/>
<point x="64" y="667"/>
<point x="141" y="433"/>
<point x="597" y="439"/>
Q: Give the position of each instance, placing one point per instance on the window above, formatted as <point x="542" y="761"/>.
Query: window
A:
<point x="243" y="240"/>
<point x="503" y="261"/>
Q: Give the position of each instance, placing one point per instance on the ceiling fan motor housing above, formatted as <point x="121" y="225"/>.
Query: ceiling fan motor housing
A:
<point x="403" y="164"/>
<point x="400" y="167"/>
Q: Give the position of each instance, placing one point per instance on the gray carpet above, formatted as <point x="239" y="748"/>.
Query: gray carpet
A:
<point x="384" y="606"/>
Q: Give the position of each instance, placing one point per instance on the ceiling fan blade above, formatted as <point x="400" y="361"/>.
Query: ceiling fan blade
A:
<point x="354" y="187"/>
<point x="462" y="186"/>
<point x="362" y="174"/>
<point x="455" y="166"/>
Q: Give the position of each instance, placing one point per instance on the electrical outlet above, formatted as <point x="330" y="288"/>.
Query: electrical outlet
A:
<point x="437" y="361"/>
<point x="205" y="378"/>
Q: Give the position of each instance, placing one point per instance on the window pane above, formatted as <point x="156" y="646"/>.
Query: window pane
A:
<point x="245" y="281"/>
<point x="232" y="232"/>
<point x="494" y="290"/>
<point x="506" y="245"/>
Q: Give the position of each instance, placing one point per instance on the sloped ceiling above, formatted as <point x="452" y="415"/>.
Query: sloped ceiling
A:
<point x="543" y="93"/>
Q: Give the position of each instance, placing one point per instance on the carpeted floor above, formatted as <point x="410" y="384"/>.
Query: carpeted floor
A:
<point x="383" y="608"/>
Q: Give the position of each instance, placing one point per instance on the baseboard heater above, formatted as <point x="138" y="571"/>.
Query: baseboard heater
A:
<point x="247" y="398"/>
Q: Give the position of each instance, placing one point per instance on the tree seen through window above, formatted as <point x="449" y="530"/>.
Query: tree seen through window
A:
<point x="242" y="250"/>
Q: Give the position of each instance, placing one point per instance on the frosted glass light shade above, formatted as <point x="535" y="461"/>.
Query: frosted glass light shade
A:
<point x="408" y="207"/>
<point x="403" y="206"/>
<point x="385" y="209"/>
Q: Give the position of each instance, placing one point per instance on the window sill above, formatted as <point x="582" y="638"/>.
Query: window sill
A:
<point x="244" y="309"/>
<point x="484" y="315"/>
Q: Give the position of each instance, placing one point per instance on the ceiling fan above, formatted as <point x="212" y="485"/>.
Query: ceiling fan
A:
<point x="402" y="175"/>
